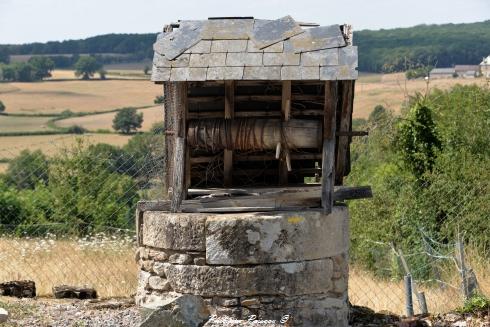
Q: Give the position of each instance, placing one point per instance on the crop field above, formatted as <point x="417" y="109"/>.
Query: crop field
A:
<point x="392" y="90"/>
<point x="23" y="124"/>
<point x="11" y="146"/>
<point x="104" y="121"/>
<point x="76" y="95"/>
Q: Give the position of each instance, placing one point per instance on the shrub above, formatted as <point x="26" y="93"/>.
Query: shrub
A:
<point x="76" y="129"/>
<point x="159" y="99"/>
<point x="27" y="170"/>
<point x="2" y="107"/>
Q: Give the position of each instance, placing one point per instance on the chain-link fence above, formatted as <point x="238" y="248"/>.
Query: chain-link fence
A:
<point x="68" y="218"/>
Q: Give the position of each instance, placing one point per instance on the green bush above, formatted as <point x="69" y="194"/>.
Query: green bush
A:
<point x="2" y="107"/>
<point x="127" y="120"/>
<point x="27" y="170"/>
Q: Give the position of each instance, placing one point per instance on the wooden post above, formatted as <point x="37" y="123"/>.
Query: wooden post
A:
<point x="284" y="165"/>
<point x="347" y="99"/>
<point x="328" y="150"/>
<point x="169" y="106"/>
<point x="229" y="114"/>
<point x="180" y="151"/>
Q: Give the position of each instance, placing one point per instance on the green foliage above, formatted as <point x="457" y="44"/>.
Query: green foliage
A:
<point x="418" y="72"/>
<point x="399" y="49"/>
<point x="11" y="208"/>
<point x="159" y="99"/>
<point x="417" y="140"/>
<point x="445" y="140"/>
<point x="127" y="120"/>
<point x="27" y="170"/>
<point x="76" y="129"/>
<point x="42" y="67"/>
<point x="2" y="107"/>
<point x="476" y="304"/>
<point x="4" y="56"/>
<point x="87" y="67"/>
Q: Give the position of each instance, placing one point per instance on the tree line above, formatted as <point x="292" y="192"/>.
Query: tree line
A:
<point x="385" y="50"/>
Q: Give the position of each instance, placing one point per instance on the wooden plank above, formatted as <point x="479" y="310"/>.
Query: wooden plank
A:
<point x="328" y="150"/>
<point x="248" y="98"/>
<point x="346" y="104"/>
<point x="229" y="114"/>
<point x="169" y="109"/>
<point x="274" y="198"/>
<point x="286" y="114"/>
<point x="179" y="160"/>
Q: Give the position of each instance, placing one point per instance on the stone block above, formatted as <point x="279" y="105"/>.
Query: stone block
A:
<point x="158" y="283"/>
<point x="207" y="60"/>
<point x="328" y="57"/>
<point x="250" y="238"/>
<point x="281" y="59"/>
<point x="203" y="46"/>
<point x="224" y="73"/>
<point x="244" y="59"/>
<point x="180" y="259"/>
<point x="348" y="56"/>
<point x="159" y="269"/>
<point x="283" y="279"/>
<point x="229" y="46"/>
<point x="292" y="73"/>
<point x="160" y="74"/>
<point x="262" y="73"/>
<point x="175" y="231"/>
<point x="338" y="73"/>
<point x="180" y="61"/>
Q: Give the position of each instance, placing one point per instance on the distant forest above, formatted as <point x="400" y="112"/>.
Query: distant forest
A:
<point x="385" y="50"/>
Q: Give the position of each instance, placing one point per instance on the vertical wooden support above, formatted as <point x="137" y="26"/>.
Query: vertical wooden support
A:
<point x="347" y="99"/>
<point x="169" y="107"/>
<point x="328" y="151"/>
<point x="229" y="114"/>
<point x="284" y="163"/>
<point x="180" y="152"/>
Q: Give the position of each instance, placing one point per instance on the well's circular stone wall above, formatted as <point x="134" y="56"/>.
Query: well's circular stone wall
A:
<point x="264" y="264"/>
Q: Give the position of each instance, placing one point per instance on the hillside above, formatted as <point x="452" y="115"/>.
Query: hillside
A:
<point x="385" y="50"/>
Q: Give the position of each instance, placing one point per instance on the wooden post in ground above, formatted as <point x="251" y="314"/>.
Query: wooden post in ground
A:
<point x="347" y="99"/>
<point x="229" y="114"/>
<point x="328" y="149"/>
<point x="285" y="162"/>
<point x="180" y="151"/>
<point x="462" y="267"/>
<point x="408" y="295"/>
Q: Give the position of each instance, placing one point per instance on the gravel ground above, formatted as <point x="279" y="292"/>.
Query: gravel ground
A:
<point x="70" y="313"/>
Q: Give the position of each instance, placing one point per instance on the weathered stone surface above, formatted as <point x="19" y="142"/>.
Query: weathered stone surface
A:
<point x="244" y="59"/>
<point x="227" y="302"/>
<point x="158" y="283"/>
<point x="159" y="255"/>
<point x="250" y="302"/>
<point x="262" y="73"/>
<point x="207" y="60"/>
<point x="281" y="59"/>
<point x="74" y="292"/>
<point x="18" y="288"/>
<point x="158" y="268"/>
<point x="224" y="73"/>
<point x="143" y="280"/>
<point x="180" y="259"/>
<point x="229" y="45"/>
<point x="4" y="315"/>
<point x="177" y="231"/>
<point x="284" y="279"/>
<point x="183" y="311"/>
<point x="326" y="57"/>
<point x="248" y="238"/>
<point x="201" y="261"/>
<point x="299" y="72"/>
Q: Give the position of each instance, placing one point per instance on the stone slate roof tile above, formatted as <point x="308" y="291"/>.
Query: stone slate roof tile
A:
<point x="234" y="49"/>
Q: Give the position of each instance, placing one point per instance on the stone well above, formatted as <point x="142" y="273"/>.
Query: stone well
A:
<point x="264" y="264"/>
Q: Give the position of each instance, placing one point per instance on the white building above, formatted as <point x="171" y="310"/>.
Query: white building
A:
<point x="485" y="67"/>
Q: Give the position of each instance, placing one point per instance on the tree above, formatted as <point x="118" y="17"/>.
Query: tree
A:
<point x="2" y="107"/>
<point x="42" y="66"/>
<point x="24" y="72"/>
<point x="4" y="56"/>
<point x="86" y="67"/>
<point x="127" y="120"/>
<point x="27" y="170"/>
<point x="8" y="72"/>
<point x="418" y="141"/>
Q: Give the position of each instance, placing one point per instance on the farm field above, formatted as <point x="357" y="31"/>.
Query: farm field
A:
<point x="104" y="121"/>
<point x="10" y="124"/>
<point x="11" y="146"/>
<point x="391" y="90"/>
<point x="53" y="97"/>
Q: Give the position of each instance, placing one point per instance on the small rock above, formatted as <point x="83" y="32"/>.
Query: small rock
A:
<point x="158" y="255"/>
<point x="4" y="315"/>
<point x="184" y="311"/>
<point x="250" y="302"/>
<point x="227" y="302"/>
<point x="159" y="269"/>
<point x="74" y="292"/>
<point x="180" y="259"/>
<point x="158" y="283"/>
<point x="19" y="288"/>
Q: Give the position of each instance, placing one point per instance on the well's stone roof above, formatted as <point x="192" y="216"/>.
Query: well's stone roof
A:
<point x="254" y="49"/>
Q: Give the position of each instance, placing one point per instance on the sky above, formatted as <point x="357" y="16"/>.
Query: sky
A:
<point x="23" y="21"/>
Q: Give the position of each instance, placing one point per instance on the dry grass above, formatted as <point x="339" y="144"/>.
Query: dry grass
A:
<point x="104" y="121"/>
<point x="11" y="146"/>
<point x="3" y="167"/>
<point x="77" y="96"/>
<point x="23" y="124"/>
<point x="391" y="91"/>
<point x="103" y="262"/>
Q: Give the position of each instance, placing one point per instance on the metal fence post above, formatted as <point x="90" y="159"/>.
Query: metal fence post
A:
<point x="408" y="295"/>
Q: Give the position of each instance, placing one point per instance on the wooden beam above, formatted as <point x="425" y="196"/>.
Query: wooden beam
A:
<point x="179" y="160"/>
<point x="328" y="150"/>
<point x="346" y="104"/>
<point x="229" y="114"/>
<point x="273" y="198"/>
<point x="286" y="114"/>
